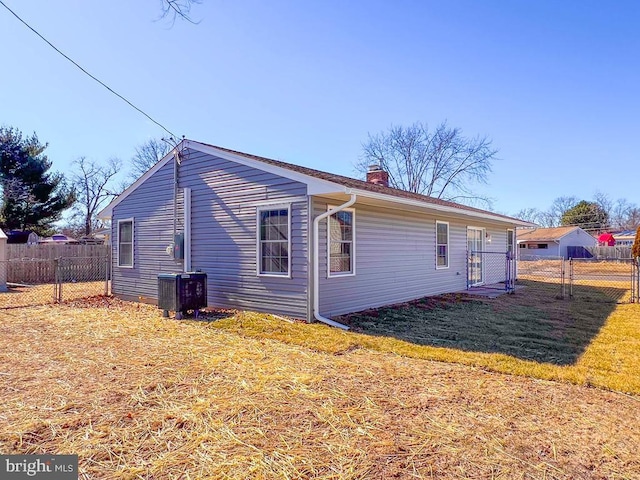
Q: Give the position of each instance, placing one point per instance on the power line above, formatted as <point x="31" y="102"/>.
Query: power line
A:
<point x="87" y="73"/>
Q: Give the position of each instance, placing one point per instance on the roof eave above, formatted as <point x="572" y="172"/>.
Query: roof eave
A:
<point x="442" y="208"/>
<point x="315" y="186"/>
<point x="107" y="212"/>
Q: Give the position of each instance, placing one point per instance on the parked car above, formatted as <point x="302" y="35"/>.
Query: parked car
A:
<point x="59" y="238"/>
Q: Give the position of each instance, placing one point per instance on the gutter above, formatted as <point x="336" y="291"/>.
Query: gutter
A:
<point x="444" y="208"/>
<point x="316" y="262"/>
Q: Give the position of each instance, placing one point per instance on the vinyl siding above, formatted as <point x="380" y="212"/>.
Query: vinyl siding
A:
<point x="395" y="258"/>
<point x="552" y="250"/>
<point x="151" y="207"/>
<point x="578" y="238"/>
<point x="224" y="201"/>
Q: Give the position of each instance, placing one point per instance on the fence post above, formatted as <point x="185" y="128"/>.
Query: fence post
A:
<point x="468" y="268"/>
<point x="56" y="283"/>
<point x="635" y="280"/>
<point x="563" y="270"/>
<point x="106" y="275"/>
<point x="570" y="277"/>
<point x="509" y="281"/>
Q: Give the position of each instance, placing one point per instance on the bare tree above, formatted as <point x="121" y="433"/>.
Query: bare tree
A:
<point x="179" y="9"/>
<point x="621" y="214"/>
<point x="633" y="219"/>
<point x="624" y="215"/>
<point x="441" y="163"/>
<point x="147" y="155"/>
<point x="532" y="215"/>
<point x="92" y="184"/>
<point x="553" y="216"/>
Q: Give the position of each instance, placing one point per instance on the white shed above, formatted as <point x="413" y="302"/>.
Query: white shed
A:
<point x="3" y="262"/>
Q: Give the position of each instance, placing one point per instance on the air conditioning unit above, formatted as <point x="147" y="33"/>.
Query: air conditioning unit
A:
<point x="179" y="292"/>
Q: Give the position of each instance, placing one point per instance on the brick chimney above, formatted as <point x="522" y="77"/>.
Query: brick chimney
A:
<point x="377" y="176"/>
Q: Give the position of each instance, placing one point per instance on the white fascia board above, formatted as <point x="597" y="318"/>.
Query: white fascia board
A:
<point x="315" y="186"/>
<point x="107" y="212"/>
<point x="439" y="208"/>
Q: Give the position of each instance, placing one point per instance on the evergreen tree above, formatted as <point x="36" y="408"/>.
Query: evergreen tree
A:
<point x="32" y="196"/>
<point x="587" y="215"/>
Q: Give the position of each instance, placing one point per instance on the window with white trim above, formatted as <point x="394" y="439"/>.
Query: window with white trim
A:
<point x="442" y="245"/>
<point x="510" y="240"/>
<point x="340" y="243"/>
<point x="274" y="240"/>
<point x="125" y="243"/>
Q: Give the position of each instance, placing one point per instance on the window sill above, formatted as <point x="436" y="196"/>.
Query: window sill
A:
<point x="341" y="275"/>
<point x="273" y="275"/>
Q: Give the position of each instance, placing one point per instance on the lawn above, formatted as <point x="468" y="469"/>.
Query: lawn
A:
<point x="588" y="341"/>
<point x="139" y="396"/>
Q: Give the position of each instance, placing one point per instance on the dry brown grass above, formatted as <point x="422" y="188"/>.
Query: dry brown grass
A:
<point x="554" y="267"/>
<point x="138" y="396"/>
<point x="29" y="295"/>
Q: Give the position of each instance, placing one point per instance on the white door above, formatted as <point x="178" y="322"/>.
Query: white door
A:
<point x="475" y="244"/>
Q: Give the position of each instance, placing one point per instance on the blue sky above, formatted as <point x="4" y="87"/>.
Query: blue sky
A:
<point x="554" y="84"/>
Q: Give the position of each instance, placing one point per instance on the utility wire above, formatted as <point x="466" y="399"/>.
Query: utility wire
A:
<point x="87" y="73"/>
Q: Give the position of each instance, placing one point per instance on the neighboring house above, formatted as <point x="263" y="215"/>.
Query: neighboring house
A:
<point x="624" y="238"/>
<point x="281" y="238"/>
<point x="606" y="240"/>
<point x="103" y="234"/>
<point x="553" y="242"/>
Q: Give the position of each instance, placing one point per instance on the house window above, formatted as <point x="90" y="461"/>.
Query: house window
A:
<point x="340" y="242"/>
<point x="538" y="245"/>
<point x="510" y="240"/>
<point x="442" y="245"/>
<point x="274" y="241"/>
<point x="125" y="243"/>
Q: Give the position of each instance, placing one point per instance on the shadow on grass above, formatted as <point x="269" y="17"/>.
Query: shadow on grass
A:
<point x="533" y="324"/>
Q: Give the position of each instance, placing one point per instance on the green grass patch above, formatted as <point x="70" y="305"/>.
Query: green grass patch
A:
<point x="529" y="334"/>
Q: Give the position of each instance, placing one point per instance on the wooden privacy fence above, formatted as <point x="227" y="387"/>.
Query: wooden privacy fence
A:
<point x="610" y="253"/>
<point x="31" y="271"/>
<point x="52" y="251"/>
<point x="75" y="269"/>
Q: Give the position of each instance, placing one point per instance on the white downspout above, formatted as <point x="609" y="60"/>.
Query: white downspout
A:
<point x="316" y="263"/>
<point x="186" y="196"/>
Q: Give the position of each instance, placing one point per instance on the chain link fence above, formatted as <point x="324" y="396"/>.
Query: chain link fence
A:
<point x="543" y="273"/>
<point x="33" y="282"/>
<point x="603" y="281"/>
<point x="585" y="279"/>
<point x="491" y="270"/>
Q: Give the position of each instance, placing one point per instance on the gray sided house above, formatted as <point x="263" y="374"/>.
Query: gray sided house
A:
<point x="554" y="242"/>
<point x="280" y="238"/>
